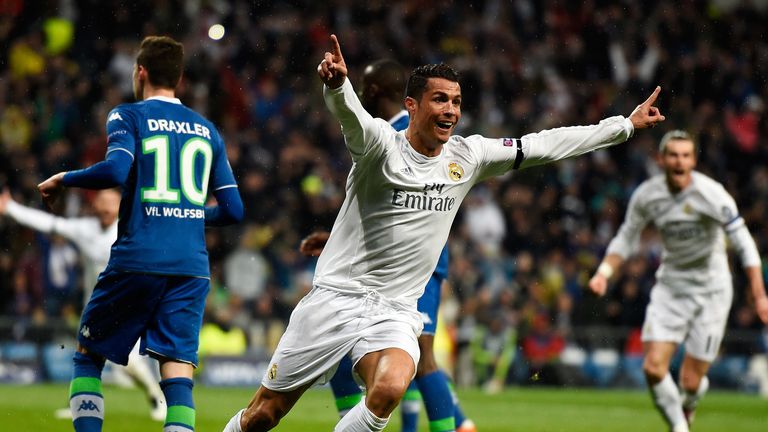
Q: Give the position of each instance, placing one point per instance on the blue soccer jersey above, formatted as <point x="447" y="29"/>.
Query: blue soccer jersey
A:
<point x="178" y="155"/>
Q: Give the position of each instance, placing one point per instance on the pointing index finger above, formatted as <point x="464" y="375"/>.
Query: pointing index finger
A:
<point x="652" y="98"/>
<point x="336" y="46"/>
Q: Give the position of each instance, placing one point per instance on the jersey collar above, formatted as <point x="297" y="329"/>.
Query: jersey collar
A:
<point x="165" y="99"/>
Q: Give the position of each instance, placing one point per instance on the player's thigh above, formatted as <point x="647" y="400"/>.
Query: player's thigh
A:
<point x="175" y="329"/>
<point x="708" y="328"/>
<point x="427" y="363"/>
<point x="118" y="313"/>
<point x="667" y="317"/>
<point x="323" y="328"/>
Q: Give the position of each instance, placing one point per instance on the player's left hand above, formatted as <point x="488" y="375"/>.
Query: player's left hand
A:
<point x="761" y="307"/>
<point x="646" y="115"/>
<point x="51" y="189"/>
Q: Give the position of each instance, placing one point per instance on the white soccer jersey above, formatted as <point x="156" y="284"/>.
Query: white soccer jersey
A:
<point x="400" y="204"/>
<point x="691" y="224"/>
<point x="87" y="234"/>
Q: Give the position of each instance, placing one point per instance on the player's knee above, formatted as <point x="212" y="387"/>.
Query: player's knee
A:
<point x="690" y="381"/>
<point x="384" y="396"/>
<point x="654" y="369"/>
<point x="261" y="417"/>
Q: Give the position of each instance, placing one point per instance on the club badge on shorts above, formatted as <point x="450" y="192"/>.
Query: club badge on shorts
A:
<point x="455" y="171"/>
<point x="272" y="371"/>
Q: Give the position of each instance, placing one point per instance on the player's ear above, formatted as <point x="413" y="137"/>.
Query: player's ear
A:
<point x="411" y="104"/>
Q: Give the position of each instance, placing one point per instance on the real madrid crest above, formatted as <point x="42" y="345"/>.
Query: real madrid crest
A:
<point x="455" y="171"/>
<point x="272" y="371"/>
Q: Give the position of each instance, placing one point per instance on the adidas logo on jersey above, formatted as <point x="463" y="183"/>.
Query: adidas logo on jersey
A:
<point x="114" y="116"/>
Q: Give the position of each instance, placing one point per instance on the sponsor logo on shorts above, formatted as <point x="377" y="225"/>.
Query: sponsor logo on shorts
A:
<point x="509" y="142"/>
<point x="272" y="374"/>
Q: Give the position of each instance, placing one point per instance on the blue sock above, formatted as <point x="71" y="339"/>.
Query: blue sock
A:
<point x="181" y="408"/>
<point x="458" y="414"/>
<point x="409" y="408"/>
<point x="85" y="398"/>
<point x="345" y="389"/>
<point x="438" y="401"/>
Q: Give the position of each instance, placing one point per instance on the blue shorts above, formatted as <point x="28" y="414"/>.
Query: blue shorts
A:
<point x="428" y="304"/>
<point x="165" y="311"/>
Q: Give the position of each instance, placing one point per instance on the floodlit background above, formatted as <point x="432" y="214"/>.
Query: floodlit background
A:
<point x="523" y="245"/>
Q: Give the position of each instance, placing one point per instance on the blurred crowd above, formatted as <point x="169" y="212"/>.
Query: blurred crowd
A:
<point x="523" y="245"/>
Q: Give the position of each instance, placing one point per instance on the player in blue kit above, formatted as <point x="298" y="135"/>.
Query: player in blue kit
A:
<point x="383" y="85"/>
<point x="164" y="156"/>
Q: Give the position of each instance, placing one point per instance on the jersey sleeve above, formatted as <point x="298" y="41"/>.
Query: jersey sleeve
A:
<point x="566" y="142"/>
<point x="627" y="240"/>
<point x="121" y="125"/>
<point x="222" y="176"/>
<point x="725" y="211"/>
<point x="363" y="134"/>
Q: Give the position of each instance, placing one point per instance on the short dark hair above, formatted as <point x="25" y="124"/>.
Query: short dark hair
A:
<point x="163" y="58"/>
<point x="417" y="82"/>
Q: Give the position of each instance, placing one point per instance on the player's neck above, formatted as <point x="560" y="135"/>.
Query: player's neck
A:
<point x="150" y="91"/>
<point x="418" y="144"/>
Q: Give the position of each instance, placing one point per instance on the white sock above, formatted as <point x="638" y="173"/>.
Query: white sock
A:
<point x="690" y="400"/>
<point x="666" y="396"/>
<point x="360" y="419"/>
<point x="234" y="423"/>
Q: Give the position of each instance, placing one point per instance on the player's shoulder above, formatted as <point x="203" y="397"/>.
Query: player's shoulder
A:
<point x="708" y="187"/>
<point x="650" y="189"/>
<point x="123" y="112"/>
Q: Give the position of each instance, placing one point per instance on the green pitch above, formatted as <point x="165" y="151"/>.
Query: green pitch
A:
<point x="30" y="408"/>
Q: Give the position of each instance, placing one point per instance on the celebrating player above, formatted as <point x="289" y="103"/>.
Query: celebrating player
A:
<point x="93" y="237"/>
<point x="383" y="83"/>
<point x="164" y="155"/>
<point x="692" y="296"/>
<point x="403" y="192"/>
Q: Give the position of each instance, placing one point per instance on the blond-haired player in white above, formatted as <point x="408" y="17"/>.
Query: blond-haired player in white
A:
<point x="403" y="192"/>
<point x="93" y="236"/>
<point x="692" y="296"/>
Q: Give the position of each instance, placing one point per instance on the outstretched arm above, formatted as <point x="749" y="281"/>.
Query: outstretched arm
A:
<point x="567" y="142"/>
<point x="111" y="172"/>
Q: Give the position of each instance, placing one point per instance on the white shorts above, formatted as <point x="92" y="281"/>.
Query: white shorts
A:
<point x="327" y="325"/>
<point x="698" y="320"/>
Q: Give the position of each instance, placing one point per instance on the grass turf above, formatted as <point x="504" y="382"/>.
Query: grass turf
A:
<point x="30" y="408"/>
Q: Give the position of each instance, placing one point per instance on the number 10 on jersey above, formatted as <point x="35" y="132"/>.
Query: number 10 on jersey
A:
<point x="162" y="191"/>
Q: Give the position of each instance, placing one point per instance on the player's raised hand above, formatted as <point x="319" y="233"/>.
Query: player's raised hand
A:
<point x="314" y="243"/>
<point x="598" y="284"/>
<point x="51" y="189"/>
<point x="332" y="70"/>
<point x="646" y="115"/>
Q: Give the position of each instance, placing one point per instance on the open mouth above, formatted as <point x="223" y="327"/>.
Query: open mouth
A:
<point x="444" y="125"/>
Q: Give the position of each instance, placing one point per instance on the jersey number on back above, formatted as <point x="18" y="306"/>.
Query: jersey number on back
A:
<point x="162" y="191"/>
